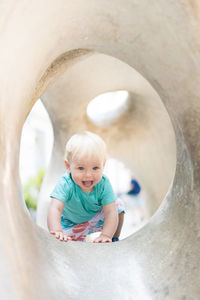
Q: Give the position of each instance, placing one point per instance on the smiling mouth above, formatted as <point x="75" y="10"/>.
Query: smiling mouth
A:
<point x="87" y="183"/>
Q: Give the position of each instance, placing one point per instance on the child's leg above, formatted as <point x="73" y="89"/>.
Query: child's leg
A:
<point x="121" y="212"/>
<point x="97" y="226"/>
<point x="80" y="231"/>
<point x="120" y="224"/>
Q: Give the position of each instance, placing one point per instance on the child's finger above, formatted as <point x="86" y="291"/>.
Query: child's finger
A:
<point x="66" y="237"/>
<point x="61" y="236"/>
<point x="58" y="234"/>
<point x="107" y="241"/>
<point x="102" y="240"/>
<point x="97" y="240"/>
<point x="52" y="232"/>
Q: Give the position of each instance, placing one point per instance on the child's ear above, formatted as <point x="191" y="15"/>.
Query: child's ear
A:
<point x="67" y="165"/>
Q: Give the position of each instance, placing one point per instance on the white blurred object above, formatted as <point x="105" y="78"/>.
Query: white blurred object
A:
<point x="107" y="107"/>
<point x="92" y="236"/>
<point x="36" y="142"/>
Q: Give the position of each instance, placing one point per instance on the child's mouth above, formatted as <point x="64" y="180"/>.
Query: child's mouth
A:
<point x="87" y="183"/>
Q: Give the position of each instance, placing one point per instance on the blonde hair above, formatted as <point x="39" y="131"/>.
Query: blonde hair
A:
<point x="86" y="144"/>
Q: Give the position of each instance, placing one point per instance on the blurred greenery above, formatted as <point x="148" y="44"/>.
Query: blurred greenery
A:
<point x="31" y="189"/>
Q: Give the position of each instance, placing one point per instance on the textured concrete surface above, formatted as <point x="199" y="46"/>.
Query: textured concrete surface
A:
<point x="39" y="42"/>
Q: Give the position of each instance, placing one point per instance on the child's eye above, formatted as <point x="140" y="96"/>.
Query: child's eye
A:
<point x="95" y="168"/>
<point x="80" y="168"/>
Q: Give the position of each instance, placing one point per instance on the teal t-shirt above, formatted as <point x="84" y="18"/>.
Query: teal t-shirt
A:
<point x="80" y="206"/>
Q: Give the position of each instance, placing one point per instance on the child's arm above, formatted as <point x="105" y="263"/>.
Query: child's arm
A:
<point x="54" y="219"/>
<point x="110" y="223"/>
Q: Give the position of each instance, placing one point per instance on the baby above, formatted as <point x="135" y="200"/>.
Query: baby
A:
<point x="83" y="201"/>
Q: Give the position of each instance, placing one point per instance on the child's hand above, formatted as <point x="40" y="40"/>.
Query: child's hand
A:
<point x="103" y="239"/>
<point x="61" y="236"/>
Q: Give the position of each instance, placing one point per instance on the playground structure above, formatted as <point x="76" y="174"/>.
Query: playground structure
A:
<point x="67" y="53"/>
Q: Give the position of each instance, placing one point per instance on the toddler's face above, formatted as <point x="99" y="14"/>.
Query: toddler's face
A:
<point x="86" y="172"/>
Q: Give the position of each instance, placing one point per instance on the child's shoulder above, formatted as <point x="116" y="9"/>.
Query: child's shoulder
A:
<point x="62" y="188"/>
<point x="104" y="180"/>
<point x="66" y="179"/>
<point x="104" y="186"/>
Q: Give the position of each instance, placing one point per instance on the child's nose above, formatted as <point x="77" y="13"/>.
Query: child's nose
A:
<point x="88" y="173"/>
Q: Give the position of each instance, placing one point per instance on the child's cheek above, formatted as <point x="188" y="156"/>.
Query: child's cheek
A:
<point x="77" y="177"/>
<point x="98" y="177"/>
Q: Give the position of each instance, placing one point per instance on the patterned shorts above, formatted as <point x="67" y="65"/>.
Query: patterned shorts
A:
<point x="78" y="232"/>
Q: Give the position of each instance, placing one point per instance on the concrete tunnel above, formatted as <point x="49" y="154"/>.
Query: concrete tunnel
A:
<point x="68" y="53"/>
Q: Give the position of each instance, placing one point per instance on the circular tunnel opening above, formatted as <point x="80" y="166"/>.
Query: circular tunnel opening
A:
<point x="136" y="126"/>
